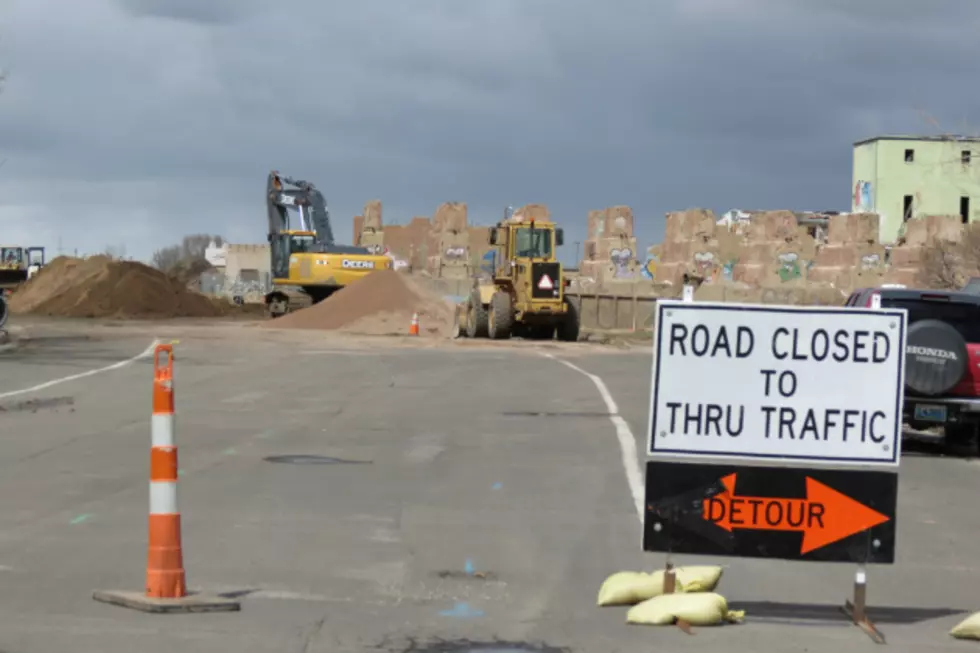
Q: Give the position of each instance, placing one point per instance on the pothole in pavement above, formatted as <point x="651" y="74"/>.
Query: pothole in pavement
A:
<point x="313" y="460"/>
<point x="34" y="405"/>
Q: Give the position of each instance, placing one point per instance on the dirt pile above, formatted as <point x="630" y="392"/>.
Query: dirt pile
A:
<point x="381" y="303"/>
<point x="100" y="287"/>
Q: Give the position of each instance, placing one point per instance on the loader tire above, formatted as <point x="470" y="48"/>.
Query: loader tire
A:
<point x="459" y="329"/>
<point x="501" y="316"/>
<point x="476" y="318"/>
<point x="569" y="327"/>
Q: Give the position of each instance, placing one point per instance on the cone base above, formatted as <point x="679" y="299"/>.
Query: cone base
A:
<point x="191" y="603"/>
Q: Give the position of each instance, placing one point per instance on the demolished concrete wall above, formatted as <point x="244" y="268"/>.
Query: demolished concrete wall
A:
<point x="444" y="245"/>
<point x="776" y="257"/>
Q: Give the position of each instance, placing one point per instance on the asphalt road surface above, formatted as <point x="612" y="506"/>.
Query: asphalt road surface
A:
<point x="476" y="494"/>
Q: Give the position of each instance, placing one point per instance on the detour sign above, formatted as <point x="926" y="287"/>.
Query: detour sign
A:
<point x="824" y="516"/>
<point x="827" y="515"/>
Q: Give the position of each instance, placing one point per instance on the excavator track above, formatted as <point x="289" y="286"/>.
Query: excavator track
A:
<point x="295" y="300"/>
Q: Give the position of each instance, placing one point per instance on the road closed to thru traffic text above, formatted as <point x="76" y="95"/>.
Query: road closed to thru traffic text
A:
<point x="765" y="382"/>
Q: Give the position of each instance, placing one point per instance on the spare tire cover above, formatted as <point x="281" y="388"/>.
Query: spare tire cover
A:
<point x="3" y="310"/>
<point x="935" y="358"/>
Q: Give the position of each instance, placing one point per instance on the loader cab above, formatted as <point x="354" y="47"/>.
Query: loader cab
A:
<point x="286" y="243"/>
<point x="527" y="241"/>
<point x="11" y="258"/>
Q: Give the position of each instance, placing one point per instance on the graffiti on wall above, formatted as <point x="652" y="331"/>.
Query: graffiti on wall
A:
<point x="789" y="266"/>
<point x="728" y="270"/>
<point x="704" y="264"/>
<point x="620" y="258"/>
<point x="649" y="268"/>
<point x="455" y="254"/>
<point x="871" y="261"/>
<point x="862" y="196"/>
<point x="792" y="266"/>
<point x="711" y="269"/>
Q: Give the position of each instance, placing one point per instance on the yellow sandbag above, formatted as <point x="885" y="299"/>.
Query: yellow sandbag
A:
<point x="969" y="628"/>
<point x="698" y="609"/>
<point x="630" y="587"/>
<point x="698" y="578"/>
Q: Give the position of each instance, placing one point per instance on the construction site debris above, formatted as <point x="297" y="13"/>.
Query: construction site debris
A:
<point x="99" y="287"/>
<point x="381" y="303"/>
<point x="450" y="217"/>
<point x="373" y="214"/>
<point x="531" y="212"/>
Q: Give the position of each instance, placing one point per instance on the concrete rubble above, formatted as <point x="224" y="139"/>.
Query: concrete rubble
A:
<point x="445" y="246"/>
<point x="756" y="256"/>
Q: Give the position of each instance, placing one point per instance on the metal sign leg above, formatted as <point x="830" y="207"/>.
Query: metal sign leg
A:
<point x="670" y="586"/>
<point x="857" y="611"/>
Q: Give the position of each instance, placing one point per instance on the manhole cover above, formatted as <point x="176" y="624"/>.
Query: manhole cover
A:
<point x="313" y="460"/>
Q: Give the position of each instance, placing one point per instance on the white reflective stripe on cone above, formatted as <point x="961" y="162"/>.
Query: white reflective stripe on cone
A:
<point x="163" y="498"/>
<point x="162" y="430"/>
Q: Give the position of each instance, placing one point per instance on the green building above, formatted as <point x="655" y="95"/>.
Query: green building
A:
<point x="901" y="177"/>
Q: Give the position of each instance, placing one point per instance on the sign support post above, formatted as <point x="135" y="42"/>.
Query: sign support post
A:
<point x="670" y="576"/>
<point x="857" y="610"/>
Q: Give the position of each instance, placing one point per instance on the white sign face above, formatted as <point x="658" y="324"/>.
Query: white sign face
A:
<point x="810" y="384"/>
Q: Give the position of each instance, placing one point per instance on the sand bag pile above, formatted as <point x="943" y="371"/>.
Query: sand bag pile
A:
<point x="99" y="287"/>
<point x="380" y="303"/>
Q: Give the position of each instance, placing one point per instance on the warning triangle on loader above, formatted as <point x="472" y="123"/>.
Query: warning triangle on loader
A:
<point x="546" y="283"/>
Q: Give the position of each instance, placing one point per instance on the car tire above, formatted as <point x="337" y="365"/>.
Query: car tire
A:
<point x="936" y="358"/>
<point x="962" y="439"/>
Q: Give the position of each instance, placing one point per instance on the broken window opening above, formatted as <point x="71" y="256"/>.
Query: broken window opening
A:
<point x="907" y="208"/>
<point x="965" y="157"/>
<point x="909" y="156"/>
<point x="965" y="209"/>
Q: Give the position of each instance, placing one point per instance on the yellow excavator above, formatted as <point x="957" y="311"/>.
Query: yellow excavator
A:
<point x="307" y="265"/>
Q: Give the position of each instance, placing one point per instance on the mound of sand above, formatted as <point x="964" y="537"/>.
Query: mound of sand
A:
<point x="100" y="287"/>
<point x="381" y="303"/>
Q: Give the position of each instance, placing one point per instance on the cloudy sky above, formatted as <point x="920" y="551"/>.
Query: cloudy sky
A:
<point x="132" y="122"/>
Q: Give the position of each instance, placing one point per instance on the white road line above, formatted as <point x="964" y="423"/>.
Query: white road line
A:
<point x="74" y="377"/>
<point x="627" y="442"/>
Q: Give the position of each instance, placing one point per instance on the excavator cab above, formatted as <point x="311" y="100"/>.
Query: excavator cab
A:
<point x="286" y="243"/>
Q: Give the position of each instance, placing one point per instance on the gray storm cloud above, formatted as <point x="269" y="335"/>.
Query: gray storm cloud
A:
<point x="146" y="119"/>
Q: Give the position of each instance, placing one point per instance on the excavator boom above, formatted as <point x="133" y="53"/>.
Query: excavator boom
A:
<point x="306" y="200"/>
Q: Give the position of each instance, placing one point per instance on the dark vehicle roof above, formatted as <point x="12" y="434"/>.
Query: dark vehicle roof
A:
<point x="909" y="294"/>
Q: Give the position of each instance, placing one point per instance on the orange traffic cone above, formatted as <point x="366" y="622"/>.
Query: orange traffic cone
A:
<point x="413" y="329"/>
<point x="165" y="560"/>
<point x="166" y="589"/>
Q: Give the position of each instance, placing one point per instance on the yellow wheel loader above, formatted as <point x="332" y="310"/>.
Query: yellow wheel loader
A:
<point x="524" y="295"/>
<point x="307" y="265"/>
<point x="18" y="264"/>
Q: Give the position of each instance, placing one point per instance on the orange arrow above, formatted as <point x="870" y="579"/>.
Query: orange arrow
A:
<point x="824" y="517"/>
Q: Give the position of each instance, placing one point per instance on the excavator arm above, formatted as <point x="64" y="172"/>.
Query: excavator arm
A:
<point x="306" y="200"/>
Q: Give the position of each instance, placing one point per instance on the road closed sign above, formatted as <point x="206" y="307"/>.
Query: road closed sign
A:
<point x="810" y="384"/>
